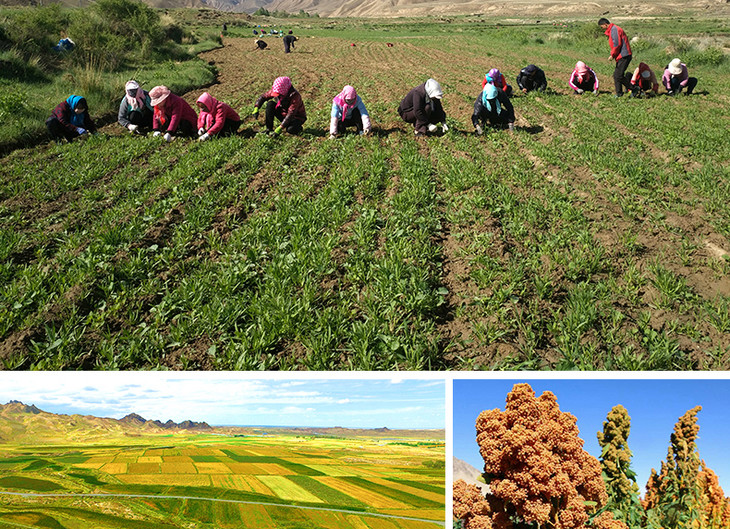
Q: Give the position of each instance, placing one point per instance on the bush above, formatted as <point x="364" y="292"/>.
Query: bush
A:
<point x="588" y="31"/>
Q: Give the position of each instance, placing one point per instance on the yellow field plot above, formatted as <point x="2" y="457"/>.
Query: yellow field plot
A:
<point x="202" y="452"/>
<point x="191" y="480"/>
<point x="272" y="469"/>
<point x="125" y="458"/>
<point x="143" y="468"/>
<point x="115" y="468"/>
<point x="434" y="496"/>
<point x="258" y="516"/>
<point x="212" y="468"/>
<point x="94" y="462"/>
<point x="257" y="486"/>
<point x="288" y="490"/>
<point x="230" y="481"/>
<point x="177" y="459"/>
<point x="149" y="459"/>
<point x="244" y="468"/>
<point x="427" y="514"/>
<point x="178" y="468"/>
<point x="271" y="452"/>
<point x="339" y="470"/>
<point x="364" y="495"/>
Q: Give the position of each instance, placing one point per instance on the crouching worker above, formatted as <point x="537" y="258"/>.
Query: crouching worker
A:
<point x="215" y="118"/>
<point x="348" y="110"/>
<point x="644" y="82"/>
<point x="172" y="116"/>
<point x="495" y="77"/>
<point x="135" y="109"/>
<point x="287" y="107"/>
<point x="422" y="107"/>
<point x="583" y="79"/>
<point x="676" y="78"/>
<point x="494" y="108"/>
<point x="70" y="119"/>
<point x="531" y="78"/>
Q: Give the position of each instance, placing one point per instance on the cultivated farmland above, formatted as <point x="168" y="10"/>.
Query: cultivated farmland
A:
<point x="595" y="237"/>
<point x="360" y="482"/>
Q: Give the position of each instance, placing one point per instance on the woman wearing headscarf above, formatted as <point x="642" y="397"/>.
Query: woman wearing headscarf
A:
<point x="583" y="79"/>
<point x="492" y="107"/>
<point x="422" y="107"/>
<point x="172" y="114"/>
<point x="643" y="81"/>
<point x="676" y="78"/>
<point x="348" y="110"/>
<point x="135" y="109"/>
<point x="287" y="106"/>
<point x="495" y="77"/>
<point x="70" y="119"/>
<point x="215" y="118"/>
<point x="531" y="78"/>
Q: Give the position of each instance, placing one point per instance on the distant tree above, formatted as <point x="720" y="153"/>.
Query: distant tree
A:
<point x="623" y="492"/>
<point x="262" y="12"/>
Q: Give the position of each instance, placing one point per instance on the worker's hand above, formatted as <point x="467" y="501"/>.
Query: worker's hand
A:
<point x="167" y="137"/>
<point x="444" y="127"/>
<point x="332" y="136"/>
<point x="579" y="90"/>
<point x="204" y="137"/>
<point x="479" y="130"/>
<point x="132" y="127"/>
<point x="595" y="92"/>
<point x="156" y="133"/>
<point x="366" y="132"/>
<point x="524" y="90"/>
<point x="255" y="112"/>
<point x="432" y="127"/>
<point x="201" y="131"/>
<point x="277" y="130"/>
<point x="81" y="130"/>
<point x="511" y="127"/>
<point x="610" y="58"/>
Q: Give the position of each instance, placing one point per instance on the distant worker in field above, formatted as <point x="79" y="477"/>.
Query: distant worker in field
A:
<point x="676" y="78"/>
<point x="493" y="107"/>
<point x="70" y="119"/>
<point x="422" y="107"/>
<point x="348" y="110"/>
<point x="216" y="118"/>
<point x="620" y="52"/>
<point x="260" y="44"/>
<point x="287" y="107"/>
<point x="495" y="77"/>
<point x="135" y="109"/>
<point x="583" y="79"/>
<point x="531" y="78"/>
<point x="289" y="41"/>
<point x="172" y="115"/>
<point x="644" y="82"/>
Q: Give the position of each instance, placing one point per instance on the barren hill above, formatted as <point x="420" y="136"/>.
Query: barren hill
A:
<point x="463" y="470"/>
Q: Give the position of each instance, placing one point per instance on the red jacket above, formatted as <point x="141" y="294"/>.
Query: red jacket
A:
<point x="291" y="105"/>
<point x="215" y="117"/>
<point x="618" y="41"/>
<point x="176" y="109"/>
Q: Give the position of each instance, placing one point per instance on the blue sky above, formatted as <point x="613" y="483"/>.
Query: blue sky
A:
<point x="654" y="407"/>
<point x="234" y="398"/>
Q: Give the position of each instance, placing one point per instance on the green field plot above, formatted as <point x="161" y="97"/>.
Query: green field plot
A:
<point x="25" y="483"/>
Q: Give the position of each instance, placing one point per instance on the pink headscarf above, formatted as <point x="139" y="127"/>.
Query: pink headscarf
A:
<point x="281" y="85"/>
<point x="211" y="103"/>
<point x="582" y="70"/>
<point x="348" y="92"/>
<point x="137" y="101"/>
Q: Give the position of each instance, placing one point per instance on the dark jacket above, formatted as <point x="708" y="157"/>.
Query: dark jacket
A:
<point x="64" y="114"/>
<point x="290" y="105"/>
<point x="536" y="81"/>
<point x="414" y="108"/>
<point x="506" y="114"/>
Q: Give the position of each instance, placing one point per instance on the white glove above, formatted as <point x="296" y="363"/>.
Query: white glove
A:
<point x="332" y="136"/>
<point x="167" y="137"/>
<point x="479" y="130"/>
<point x="201" y="131"/>
<point x="444" y="127"/>
<point x="511" y="127"/>
<point x="432" y="127"/>
<point x="132" y="127"/>
<point x="204" y="137"/>
<point x="595" y="92"/>
<point x="579" y="90"/>
<point x="157" y="133"/>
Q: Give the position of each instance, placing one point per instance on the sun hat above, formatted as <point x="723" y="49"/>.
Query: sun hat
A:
<point x="581" y="67"/>
<point x="158" y="94"/>
<point x="281" y="85"/>
<point x="433" y="89"/>
<point x="675" y="66"/>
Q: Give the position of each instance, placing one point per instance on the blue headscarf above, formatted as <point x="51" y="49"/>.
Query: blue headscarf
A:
<point x="77" y="120"/>
<point x="490" y="94"/>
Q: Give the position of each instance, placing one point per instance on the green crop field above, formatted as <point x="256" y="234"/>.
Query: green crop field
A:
<point x="594" y="237"/>
<point x="225" y="496"/>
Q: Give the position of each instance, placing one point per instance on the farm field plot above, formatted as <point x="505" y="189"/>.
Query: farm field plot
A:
<point x="294" y="495"/>
<point x="594" y="237"/>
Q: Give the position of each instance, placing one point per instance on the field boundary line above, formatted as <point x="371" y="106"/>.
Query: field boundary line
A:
<point x="221" y="500"/>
